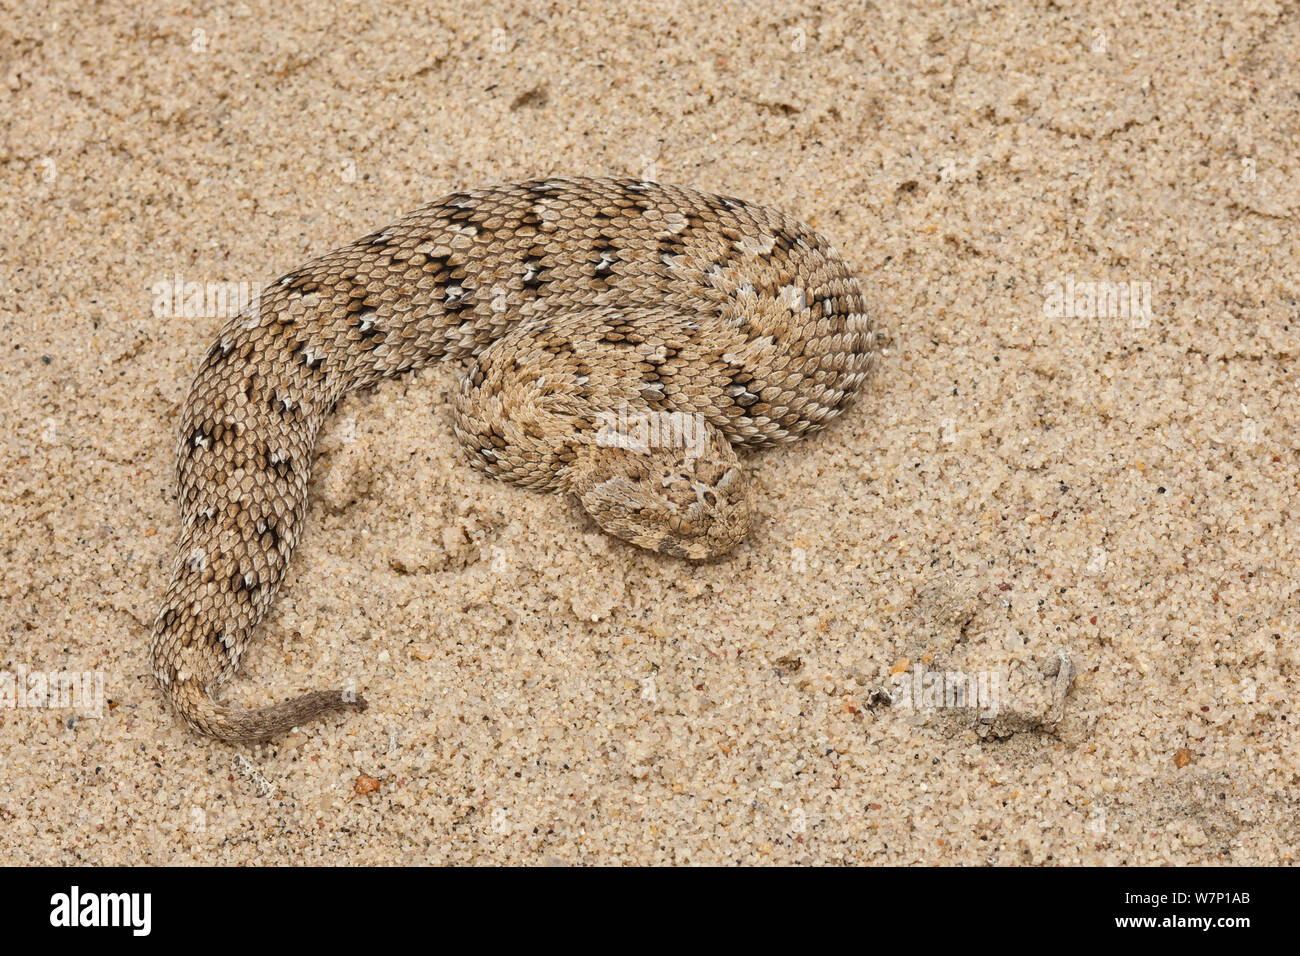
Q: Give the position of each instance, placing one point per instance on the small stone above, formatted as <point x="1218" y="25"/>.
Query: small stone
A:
<point x="1190" y="833"/>
<point x="1182" y="758"/>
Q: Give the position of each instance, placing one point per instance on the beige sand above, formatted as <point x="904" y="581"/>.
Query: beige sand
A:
<point x="1094" y="508"/>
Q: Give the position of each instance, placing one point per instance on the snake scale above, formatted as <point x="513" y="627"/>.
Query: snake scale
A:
<point x="574" y="303"/>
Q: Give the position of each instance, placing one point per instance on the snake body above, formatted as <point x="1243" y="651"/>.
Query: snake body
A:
<point x="577" y="304"/>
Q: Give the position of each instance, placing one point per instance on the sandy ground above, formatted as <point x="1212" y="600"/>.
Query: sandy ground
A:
<point x="1086" y="505"/>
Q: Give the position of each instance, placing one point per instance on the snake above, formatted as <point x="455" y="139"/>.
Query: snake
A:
<point x="619" y="341"/>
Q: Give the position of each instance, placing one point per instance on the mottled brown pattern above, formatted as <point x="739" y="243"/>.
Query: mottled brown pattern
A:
<point x="580" y="304"/>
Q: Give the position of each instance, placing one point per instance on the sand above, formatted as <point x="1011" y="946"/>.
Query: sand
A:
<point x="1087" y="506"/>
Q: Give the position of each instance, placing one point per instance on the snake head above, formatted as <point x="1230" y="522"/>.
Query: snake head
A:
<point x="688" y="502"/>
